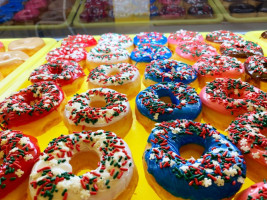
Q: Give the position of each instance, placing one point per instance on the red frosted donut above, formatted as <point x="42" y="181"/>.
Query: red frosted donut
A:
<point x="83" y="41"/>
<point x="67" y="74"/>
<point x="248" y="133"/>
<point x="2" y="47"/>
<point x="40" y="5"/>
<point x="224" y="99"/>
<point x="34" y="109"/>
<point x="18" y="152"/>
<point x="211" y="67"/>
<point x="26" y="15"/>
<point x="254" y="192"/>
<point x="68" y="53"/>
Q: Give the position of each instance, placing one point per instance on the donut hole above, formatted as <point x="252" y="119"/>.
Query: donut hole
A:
<point x="84" y="161"/>
<point x="114" y="72"/>
<point x="98" y="103"/>
<point x="166" y="99"/>
<point x="188" y="151"/>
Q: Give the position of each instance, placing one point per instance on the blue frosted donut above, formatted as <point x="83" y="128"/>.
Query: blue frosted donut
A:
<point x="147" y="53"/>
<point x="12" y="7"/>
<point x="150" y="38"/>
<point x="150" y="109"/>
<point x="217" y="174"/>
<point x="5" y="15"/>
<point x="170" y="70"/>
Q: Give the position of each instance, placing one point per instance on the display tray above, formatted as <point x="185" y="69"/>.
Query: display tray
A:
<point x="230" y="18"/>
<point x="136" y="138"/>
<point x="153" y="21"/>
<point x="46" y="25"/>
<point x="256" y="36"/>
<point x="8" y="80"/>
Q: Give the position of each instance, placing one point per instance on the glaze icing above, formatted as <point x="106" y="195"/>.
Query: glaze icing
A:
<point x="19" y="152"/>
<point x="153" y="38"/>
<point x="107" y="181"/>
<point x="183" y="36"/>
<point x="217" y="174"/>
<point x="147" y="53"/>
<point x="62" y="72"/>
<point x="18" y="109"/>
<point x="185" y="104"/>
<point x="78" y="40"/>
<point x="233" y="97"/>
<point x="170" y="70"/>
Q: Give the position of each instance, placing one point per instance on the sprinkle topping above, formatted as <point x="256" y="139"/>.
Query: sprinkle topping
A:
<point x="79" y="112"/>
<point x="30" y="104"/>
<point x="184" y="36"/>
<point x="52" y="176"/>
<point x="126" y="73"/>
<point x="256" y="67"/>
<point x="153" y="38"/>
<point x="78" y="40"/>
<point x="221" y="36"/>
<point x="63" y="72"/>
<point x="118" y="39"/>
<point x="67" y="53"/>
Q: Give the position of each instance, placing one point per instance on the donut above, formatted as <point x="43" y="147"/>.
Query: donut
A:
<point x="154" y="11"/>
<point x="216" y="38"/>
<point x="262" y="9"/>
<point x="211" y="67"/>
<point x="167" y="101"/>
<point x="256" y="71"/>
<point x="34" y="109"/>
<point x="54" y="175"/>
<point x="6" y="16"/>
<point x="217" y="174"/>
<point x="248" y="133"/>
<point x="10" y="60"/>
<point x="40" y="5"/>
<point x="183" y="36"/>
<point x="190" y="51"/>
<point x="241" y="10"/>
<point x="200" y="10"/>
<point x="82" y="41"/>
<point x="172" y="12"/>
<point x="256" y="191"/>
<point x="240" y="49"/>
<point x="56" y="17"/>
<point x="28" y="45"/>
<point x="224" y="99"/>
<point x="153" y="38"/>
<point x="99" y="108"/>
<point x="18" y="154"/>
<point x="189" y="3"/>
<point x="170" y="71"/>
<point x="122" y="40"/>
<point x="143" y="55"/>
<point x="263" y="35"/>
<point x="122" y="77"/>
<point x="76" y="54"/>
<point x="12" y="6"/>
<point x="67" y="74"/>
<point x="26" y="16"/>
<point x="106" y="54"/>
<point x="227" y="3"/>
<point x="170" y="2"/>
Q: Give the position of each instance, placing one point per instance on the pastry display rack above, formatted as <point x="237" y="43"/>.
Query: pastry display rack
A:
<point x="242" y="19"/>
<point x="136" y="138"/>
<point x="13" y="76"/>
<point x="67" y="18"/>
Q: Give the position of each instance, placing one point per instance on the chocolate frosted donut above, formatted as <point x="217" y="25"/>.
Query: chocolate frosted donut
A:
<point x="264" y="35"/>
<point x="200" y="10"/>
<point x="241" y="8"/>
<point x="52" y="16"/>
<point x="262" y="8"/>
<point x="256" y="68"/>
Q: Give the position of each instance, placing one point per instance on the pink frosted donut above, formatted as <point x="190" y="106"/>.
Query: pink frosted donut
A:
<point x="189" y="52"/>
<point x="211" y="67"/>
<point x="40" y="5"/>
<point x="27" y="15"/>
<point x="256" y="191"/>
<point x="170" y="2"/>
<point x="224" y="99"/>
<point x="182" y="36"/>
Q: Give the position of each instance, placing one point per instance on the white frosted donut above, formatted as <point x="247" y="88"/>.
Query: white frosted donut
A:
<point x="106" y="54"/>
<point x="99" y="108"/>
<point x="53" y="177"/>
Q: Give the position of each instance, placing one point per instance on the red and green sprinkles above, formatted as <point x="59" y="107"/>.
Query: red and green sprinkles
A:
<point x="247" y="132"/>
<point x="222" y="36"/>
<point x="29" y="104"/>
<point x="81" y="41"/>
<point x="256" y="67"/>
<point x="115" y="162"/>
<point x="78" y="111"/>
<point x="76" y="54"/>
<point x="63" y="72"/>
<point x="236" y="95"/>
<point x="18" y="153"/>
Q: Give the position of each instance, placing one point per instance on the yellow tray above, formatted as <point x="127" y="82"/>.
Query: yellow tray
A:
<point x="256" y="36"/>
<point x="37" y="26"/>
<point x="136" y="138"/>
<point x="229" y="18"/>
<point x="13" y="76"/>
